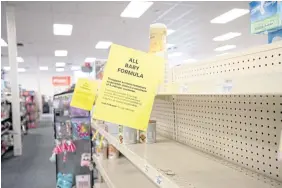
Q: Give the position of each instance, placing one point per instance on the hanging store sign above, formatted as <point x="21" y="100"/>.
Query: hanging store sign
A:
<point x="84" y="94"/>
<point x="128" y="87"/>
<point x="61" y="80"/>
<point x="266" y="16"/>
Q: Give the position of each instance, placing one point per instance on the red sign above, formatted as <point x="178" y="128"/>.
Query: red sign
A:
<point x="61" y="80"/>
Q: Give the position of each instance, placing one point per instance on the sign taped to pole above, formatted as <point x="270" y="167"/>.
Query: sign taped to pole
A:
<point x="129" y="86"/>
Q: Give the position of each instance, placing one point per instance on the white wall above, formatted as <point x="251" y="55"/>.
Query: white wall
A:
<point x="29" y="81"/>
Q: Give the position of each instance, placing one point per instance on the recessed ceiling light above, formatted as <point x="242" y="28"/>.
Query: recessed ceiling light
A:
<point x="227" y="36"/>
<point x="3" y="43"/>
<point x="170" y="31"/>
<point x="20" y="60"/>
<point x="135" y="9"/>
<point x="62" y="29"/>
<point x="75" y="68"/>
<point x="60" y="69"/>
<point x="21" y="70"/>
<point x="175" y="54"/>
<point x="90" y="59"/>
<point x="43" y="68"/>
<point x="224" y="48"/>
<point x="230" y="15"/>
<point x="60" y="64"/>
<point x="103" y="45"/>
<point x="191" y="60"/>
<point x="61" y="53"/>
<point x="7" y="68"/>
<point x="222" y="54"/>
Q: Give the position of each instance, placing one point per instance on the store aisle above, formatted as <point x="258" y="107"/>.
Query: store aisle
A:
<point x="33" y="169"/>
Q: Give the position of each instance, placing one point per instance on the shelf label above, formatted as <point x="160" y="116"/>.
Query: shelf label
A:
<point x="84" y="94"/>
<point x="129" y="87"/>
<point x="146" y="168"/>
<point x="159" y="179"/>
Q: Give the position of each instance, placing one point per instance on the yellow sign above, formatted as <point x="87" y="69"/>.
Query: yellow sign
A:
<point x="84" y="94"/>
<point x="128" y="87"/>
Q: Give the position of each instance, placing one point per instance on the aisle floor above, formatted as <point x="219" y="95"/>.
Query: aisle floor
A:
<point x="33" y="169"/>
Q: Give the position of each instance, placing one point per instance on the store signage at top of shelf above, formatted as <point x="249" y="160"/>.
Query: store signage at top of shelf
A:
<point x="266" y="16"/>
<point x="28" y="93"/>
<point x="129" y="86"/>
<point x="61" y="80"/>
<point x="84" y="94"/>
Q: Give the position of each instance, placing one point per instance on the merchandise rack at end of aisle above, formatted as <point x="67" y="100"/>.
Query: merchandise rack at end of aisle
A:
<point x="66" y="125"/>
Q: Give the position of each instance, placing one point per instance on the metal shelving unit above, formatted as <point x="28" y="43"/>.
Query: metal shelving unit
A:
<point x="219" y="124"/>
<point x="121" y="173"/>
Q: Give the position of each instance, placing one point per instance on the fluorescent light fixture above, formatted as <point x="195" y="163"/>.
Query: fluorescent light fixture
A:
<point x="62" y="29"/>
<point x="43" y="68"/>
<point x="20" y="60"/>
<point x="170" y="31"/>
<point x="7" y="68"/>
<point x="60" y="69"/>
<point x="175" y="54"/>
<point x="224" y="48"/>
<point x="3" y="43"/>
<point x="191" y="60"/>
<point x="103" y="45"/>
<point x="135" y="9"/>
<point x="75" y="68"/>
<point x="60" y="64"/>
<point x="230" y="15"/>
<point x="61" y="53"/>
<point x="90" y="59"/>
<point x="227" y="36"/>
<point x="21" y="70"/>
<point x="222" y="54"/>
<point x="169" y="45"/>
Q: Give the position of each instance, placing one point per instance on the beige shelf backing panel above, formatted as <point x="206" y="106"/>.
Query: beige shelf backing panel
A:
<point x="163" y="113"/>
<point x="121" y="173"/>
<point x="170" y="164"/>
<point x="100" y="185"/>
<point x="255" y="71"/>
<point x="242" y="129"/>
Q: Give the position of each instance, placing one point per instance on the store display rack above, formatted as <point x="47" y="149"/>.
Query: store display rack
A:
<point x="64" y="116"/>
<point x="221" y="126"/>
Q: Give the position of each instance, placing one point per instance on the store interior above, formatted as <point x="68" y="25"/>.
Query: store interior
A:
<point x="216" y="117"/>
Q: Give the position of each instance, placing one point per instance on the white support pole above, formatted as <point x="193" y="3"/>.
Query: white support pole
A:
<point x="39" y="96"/>
<point x="12" y="50"/>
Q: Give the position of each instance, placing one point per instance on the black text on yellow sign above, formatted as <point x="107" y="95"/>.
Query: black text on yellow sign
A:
<point x="129" y="86"/>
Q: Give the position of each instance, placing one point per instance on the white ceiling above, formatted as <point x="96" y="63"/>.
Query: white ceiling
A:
<point x="95" y="21"/>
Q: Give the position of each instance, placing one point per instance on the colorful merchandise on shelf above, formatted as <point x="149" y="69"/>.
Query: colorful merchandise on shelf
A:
<point x="127" y="135"/>
<point x="80" y="128"/>
<point x="113" y="153"/>
<point x="77" y="112"/>
<point x="148" y="136"/>
<point x="85" y="159"/>
<point x="64" y="180"/>
<point x="63" y="129"/>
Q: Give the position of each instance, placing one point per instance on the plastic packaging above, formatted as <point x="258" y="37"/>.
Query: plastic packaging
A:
<point x="148" y="136"/>
<point x="127" y="135"/>
<point x="113" y="153"/>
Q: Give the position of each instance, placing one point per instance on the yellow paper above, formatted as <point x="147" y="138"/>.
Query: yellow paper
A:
<point x="157" y="39"/>
<point x="84" y="94"/>
<point x="128" y="88"/>
<point x="101" y="142"/>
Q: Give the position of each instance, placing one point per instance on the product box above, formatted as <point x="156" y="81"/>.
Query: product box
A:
<point x="266" y="16"/>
